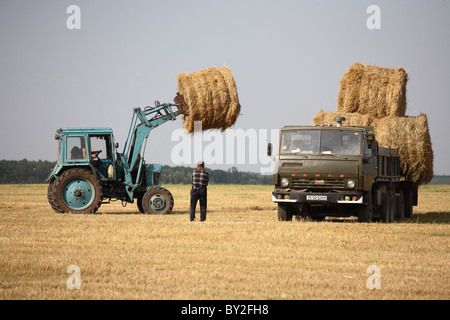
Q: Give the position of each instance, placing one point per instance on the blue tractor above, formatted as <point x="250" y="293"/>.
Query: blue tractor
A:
<point x="90" y="172"/>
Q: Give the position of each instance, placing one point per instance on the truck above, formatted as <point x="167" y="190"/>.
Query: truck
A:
<point x="339" y="171"/>
<point x="90" y="171"/>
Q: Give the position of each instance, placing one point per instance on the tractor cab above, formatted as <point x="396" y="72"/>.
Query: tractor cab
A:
<point x="89" y="147"/>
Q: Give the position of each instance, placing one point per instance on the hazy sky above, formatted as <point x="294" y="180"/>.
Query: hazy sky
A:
<point x="287" y="58"/>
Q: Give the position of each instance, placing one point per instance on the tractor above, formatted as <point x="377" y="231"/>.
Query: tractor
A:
<point x="90" y="171"/>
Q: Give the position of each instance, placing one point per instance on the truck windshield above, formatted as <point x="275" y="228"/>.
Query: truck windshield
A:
<point x="321" y="142"/>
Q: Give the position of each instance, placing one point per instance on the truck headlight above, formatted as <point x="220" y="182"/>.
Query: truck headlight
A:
<point x="284" y="182"/>
<point x="351" y="184"/>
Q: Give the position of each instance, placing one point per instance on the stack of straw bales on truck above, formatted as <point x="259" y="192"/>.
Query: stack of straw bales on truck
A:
<point x="374" y="96"/>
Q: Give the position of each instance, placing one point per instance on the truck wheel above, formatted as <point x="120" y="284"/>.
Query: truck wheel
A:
<point x="400" y="214"/>
<point x="77" y="191"/>
<point x="157" y="201"/>
<point x="365" y="212"/>
<point x="393" y="206"/>
<point x="284" y="212"/>
<point x="385" y="209"/>
<point x="408" y="194"/>
<point x="317" y="218"/>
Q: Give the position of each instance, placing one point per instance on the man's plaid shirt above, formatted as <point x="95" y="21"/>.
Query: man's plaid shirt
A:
<point x="199" y="178"/>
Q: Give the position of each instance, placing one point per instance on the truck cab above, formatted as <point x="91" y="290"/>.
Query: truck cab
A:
<point x="332" y="171"/>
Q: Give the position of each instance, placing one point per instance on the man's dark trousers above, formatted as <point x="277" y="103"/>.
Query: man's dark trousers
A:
<point x="196" y="195"/>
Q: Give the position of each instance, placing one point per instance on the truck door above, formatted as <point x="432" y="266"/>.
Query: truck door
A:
<point x="369" y="162"/>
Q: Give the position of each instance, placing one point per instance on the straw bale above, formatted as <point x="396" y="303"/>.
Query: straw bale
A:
<point x="378" y="92"/>
<point x="211" y="96"/>
<point x="351" y="119"/>
<point x="412" y="137"/>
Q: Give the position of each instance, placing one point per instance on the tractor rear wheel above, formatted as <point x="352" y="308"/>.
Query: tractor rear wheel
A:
<point x="157" y="200"/>
<point x="77" y="191"/>
<point x="51" y="197"/>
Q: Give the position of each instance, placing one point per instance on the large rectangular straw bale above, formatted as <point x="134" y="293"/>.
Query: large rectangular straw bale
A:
<point x="351" y="119"/>
<point x="412" y="137"/>
<point x="378" y="92"/>
<point x="211" y="96"/>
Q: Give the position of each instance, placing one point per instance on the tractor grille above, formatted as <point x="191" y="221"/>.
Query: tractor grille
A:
<point x="317" y="183"/>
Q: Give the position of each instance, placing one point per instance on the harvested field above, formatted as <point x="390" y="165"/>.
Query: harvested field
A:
<point x="211" y="96"/>
<point x="374" y="91"/>
<point x="240" y="252"/>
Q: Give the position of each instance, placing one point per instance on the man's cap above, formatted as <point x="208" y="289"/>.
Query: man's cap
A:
<point x="201" y="163"/>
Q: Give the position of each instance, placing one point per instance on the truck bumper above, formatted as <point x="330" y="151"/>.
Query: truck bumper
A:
<point x="317" y="198"/>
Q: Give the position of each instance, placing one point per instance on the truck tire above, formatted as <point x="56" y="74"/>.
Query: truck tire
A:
<point x="385" y="209"/>
<point x="77" y="191"/>
<point x="157" y="200"/>
<point x="284" y="212"/>
<point x="365" y="212"/>
<point x="400" y="214"/>
<point x="409" y="200"/>
<point x="393" y="206"/>
<point x="317" y="218"/>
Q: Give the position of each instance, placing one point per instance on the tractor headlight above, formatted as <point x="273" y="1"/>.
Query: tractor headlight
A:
<point x="284" y="182"/>
<point x="351" y="184"/>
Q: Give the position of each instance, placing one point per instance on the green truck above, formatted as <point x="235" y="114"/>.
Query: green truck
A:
<point x="339" y="171"/>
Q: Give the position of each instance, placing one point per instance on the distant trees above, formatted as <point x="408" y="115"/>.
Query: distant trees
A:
<point x="25" y="171"/>
<point x="182" y="175"/>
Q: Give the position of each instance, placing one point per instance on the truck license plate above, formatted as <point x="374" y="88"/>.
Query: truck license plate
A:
<point x="316" y="198"/>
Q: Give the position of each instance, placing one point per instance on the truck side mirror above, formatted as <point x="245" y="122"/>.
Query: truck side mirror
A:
<point x="374" y="147"/>
<point x="269" y="149"/>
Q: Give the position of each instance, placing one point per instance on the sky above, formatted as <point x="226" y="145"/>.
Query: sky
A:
<point x="287" y="58"/>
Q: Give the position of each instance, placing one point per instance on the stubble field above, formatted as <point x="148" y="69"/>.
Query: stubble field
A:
<point x="240" y="252"/>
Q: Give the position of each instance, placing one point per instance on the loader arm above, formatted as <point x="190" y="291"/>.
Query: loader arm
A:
<point x="144" y="121"/>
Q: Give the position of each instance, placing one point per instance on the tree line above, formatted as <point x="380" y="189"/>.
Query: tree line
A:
<point x="28" y="172"/>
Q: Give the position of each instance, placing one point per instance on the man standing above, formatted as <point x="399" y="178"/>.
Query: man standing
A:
<point x="200" y="179"/>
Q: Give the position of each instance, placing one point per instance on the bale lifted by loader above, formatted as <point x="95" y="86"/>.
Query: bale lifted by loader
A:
<point x="90" y="172"/>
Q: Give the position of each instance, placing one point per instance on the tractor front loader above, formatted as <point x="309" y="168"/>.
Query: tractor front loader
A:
<point x="90" y="172"/>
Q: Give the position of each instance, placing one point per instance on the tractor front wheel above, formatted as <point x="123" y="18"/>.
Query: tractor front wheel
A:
<point x="157" y="201"/>
<point x="76" y="191"/>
